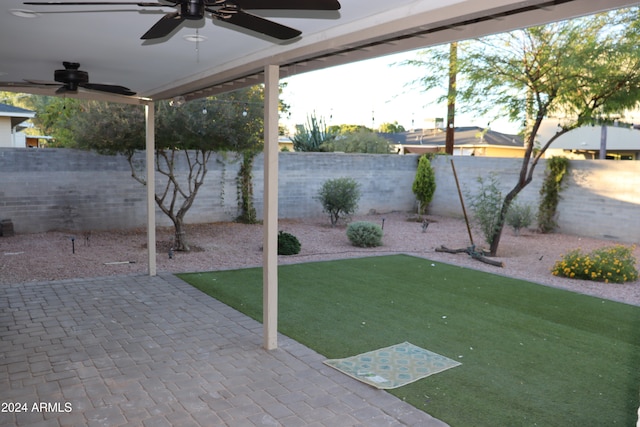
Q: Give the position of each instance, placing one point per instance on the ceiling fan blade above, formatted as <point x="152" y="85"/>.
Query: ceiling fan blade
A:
<point x="41" y="83"/>
<point x="288" y="4"/>
<point x="98" y="3"/>
<point x="164" y="26"/>
<point x="120" y="90"/>
<point x="260" y="25"/>
<point x="26" y="84"/>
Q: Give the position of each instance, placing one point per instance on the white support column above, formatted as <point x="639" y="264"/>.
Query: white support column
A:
<point x="151" y="185"/>
<point x="270" y="215"/>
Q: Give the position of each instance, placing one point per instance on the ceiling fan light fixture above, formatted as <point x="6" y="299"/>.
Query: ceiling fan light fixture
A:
<point x="195" y="38"/>
<point x="24" y="13"/>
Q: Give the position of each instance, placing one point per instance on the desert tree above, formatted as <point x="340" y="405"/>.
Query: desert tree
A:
<point x="585" y="68"/>
<point x="358" y="142"/>
<point x="391" y="128"/>
<point x="187" y="134"/>
<point x="345" y="129"/>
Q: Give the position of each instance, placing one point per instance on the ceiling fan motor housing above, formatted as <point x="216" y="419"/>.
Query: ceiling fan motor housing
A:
<point x="192" y="9"/>
<point x="71" y="76"/>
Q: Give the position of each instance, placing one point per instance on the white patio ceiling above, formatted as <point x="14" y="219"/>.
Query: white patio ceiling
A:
<point x="105" y="40"/>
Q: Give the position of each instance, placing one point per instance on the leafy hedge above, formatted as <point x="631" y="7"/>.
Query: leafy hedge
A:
<point x="364" y="234"/>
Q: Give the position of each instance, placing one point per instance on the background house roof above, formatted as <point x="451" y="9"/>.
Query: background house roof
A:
<point x="17" y="114"/>
<point x="470" y="135"/>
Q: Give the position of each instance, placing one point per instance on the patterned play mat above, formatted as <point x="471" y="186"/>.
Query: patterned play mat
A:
<point x="394" y="366"/>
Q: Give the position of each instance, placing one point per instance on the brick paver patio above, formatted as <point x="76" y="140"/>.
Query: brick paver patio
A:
<point x="153" y="351"/>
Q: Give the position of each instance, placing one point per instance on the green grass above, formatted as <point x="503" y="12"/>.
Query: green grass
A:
<point x="531" y="355"/>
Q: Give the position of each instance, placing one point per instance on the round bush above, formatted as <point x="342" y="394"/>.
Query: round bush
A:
<point x="519" y="216"/>
<point x="288" y="244"/>
<point x="339" y="197"/>
<point x="364" y="234"/>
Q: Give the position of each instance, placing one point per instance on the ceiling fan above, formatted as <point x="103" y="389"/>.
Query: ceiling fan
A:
<point x="72" y="78"/>
<point x="230" y="11"/>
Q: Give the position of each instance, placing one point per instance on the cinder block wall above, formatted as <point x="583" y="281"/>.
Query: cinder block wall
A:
<point x="602" y="199"/>
<point x="57" y="189"/>
<point x="60" y="189"/>
<point x="385" y="181"/>
<point x="446" y="200"/>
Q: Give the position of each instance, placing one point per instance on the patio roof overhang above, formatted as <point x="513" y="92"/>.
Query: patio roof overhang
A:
<point x="398" y="34"/>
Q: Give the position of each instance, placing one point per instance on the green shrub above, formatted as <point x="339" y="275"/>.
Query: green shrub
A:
<point x="244" y="186"/>
<point x="424" y="184"/>
<point x="311" y="136"/>
<point x="519" y="216"/>
<point x="550" y="193"/>
<point x="339" y="197"/>
<point x="364" y="234"/>
<point x="486" y="205"/>
<point x="288" y="244"/>
<point x="615" y="264"/>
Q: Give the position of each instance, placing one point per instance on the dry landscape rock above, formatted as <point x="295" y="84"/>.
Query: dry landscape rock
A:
<point x="54" y="255"/>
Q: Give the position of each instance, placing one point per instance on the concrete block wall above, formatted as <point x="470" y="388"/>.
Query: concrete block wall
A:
<point x="60" y="189"/>
<point x="56" y="189"/>
<point x="446" y="200"/>
<point x="384" y="181"/>
<point x="602" y="199"/>
<point x="71" y="190"/>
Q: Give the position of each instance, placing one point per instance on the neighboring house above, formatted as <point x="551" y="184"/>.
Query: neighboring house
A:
<point x="468" y="141"/>
<point x="285" y="143"/>
<point x="620" y="143"/>
<point x="10" y="120"/>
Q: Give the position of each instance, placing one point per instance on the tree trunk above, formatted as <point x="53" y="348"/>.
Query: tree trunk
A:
<point x="180" y="240"/>
<point x="497" y="232"/>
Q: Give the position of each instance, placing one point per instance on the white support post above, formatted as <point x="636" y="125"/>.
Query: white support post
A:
<point x="151" y="186"/>
<point x="270" y="215"/>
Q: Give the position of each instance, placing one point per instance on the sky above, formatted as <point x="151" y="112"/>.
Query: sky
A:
<point x="370" y="93"/>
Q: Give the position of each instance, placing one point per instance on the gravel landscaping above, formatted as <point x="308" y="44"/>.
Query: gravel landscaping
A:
<point x="216" y="246"/>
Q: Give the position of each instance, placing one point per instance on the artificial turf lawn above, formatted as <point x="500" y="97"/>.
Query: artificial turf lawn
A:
<point x="530" y="354"/>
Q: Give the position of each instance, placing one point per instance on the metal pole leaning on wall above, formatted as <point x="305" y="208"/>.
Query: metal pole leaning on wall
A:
<point x="464" y="211"/>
